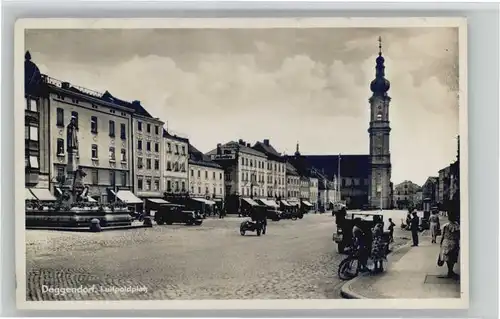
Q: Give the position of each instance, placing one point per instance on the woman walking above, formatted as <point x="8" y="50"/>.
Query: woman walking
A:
<point x="450" y="244"/>
<point x="434" y="225"/>
<point x="378" y="248"/>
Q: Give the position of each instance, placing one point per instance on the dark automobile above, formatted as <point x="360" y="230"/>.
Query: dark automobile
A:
<point x="343" y="235"/>
<point x="174" y="213"/>
<point x="289" y="214"/>
<point x="248" y="225"/>
<point x="274" y="214"/>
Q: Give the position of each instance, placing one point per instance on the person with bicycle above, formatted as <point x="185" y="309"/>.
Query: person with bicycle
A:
<point x="360" y="244"/>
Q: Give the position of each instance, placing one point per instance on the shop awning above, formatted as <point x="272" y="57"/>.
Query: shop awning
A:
<point x="250" y="201"/>
<point x="158" y="201"/>
<point x="128" y="197"/>
<point x="284" y="202"/>
<point x="269" y="203"/>
<point x="293" y="203"/>
<point x="204" y="201"/>
<point x="42" y="194"/>
<point x="28" y="195"/>
<point x="307" y="203"/>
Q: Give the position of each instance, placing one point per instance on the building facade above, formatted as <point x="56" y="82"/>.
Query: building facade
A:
<point x="37" y="166"/>
<point x="276" y="170"/>
<point x="292" y="183"/>
<point x="206" y="178"/>
<point x="176" y="169"/>
<point x="430" y="190"/>
<point x="406" y="195"/>
<point x="304" y="188"/>
<point x="244" y="172"/>
<point x="313" y="192"/>
<point x="104" y="137"/>
<point x="379" y="132"/>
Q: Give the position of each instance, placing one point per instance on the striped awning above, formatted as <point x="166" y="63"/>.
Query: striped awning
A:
<point x="250" y="201"/>
<point x="128" y="197"/>
<point x="307" y="203"/>
<point x="42" y="194"/>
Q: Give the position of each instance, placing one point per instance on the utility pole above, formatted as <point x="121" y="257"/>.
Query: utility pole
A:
<point x="339" y="194"/>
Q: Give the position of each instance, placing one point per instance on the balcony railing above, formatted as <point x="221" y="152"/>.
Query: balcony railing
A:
<point x="59" y="83"/>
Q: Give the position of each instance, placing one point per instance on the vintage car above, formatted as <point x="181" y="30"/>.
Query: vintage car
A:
<point x="174" y="213"/>
<point x="343" y="235"/>
<point x="273" y="214"/>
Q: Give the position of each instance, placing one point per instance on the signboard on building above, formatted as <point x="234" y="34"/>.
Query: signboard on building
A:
<point x="223" y="156"/>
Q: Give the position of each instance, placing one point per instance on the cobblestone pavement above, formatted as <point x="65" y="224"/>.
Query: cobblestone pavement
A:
<point x="295" y="259"/>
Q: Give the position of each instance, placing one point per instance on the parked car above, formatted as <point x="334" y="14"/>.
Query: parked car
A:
<point x="274" y="214"/>
<point x="343" y="235"/>
<point x="174" y="213"/>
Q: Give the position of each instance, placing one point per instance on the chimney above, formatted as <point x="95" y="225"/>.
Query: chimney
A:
<point x="248" y="145"/>
<point x="266" y="142"/>
<point x="65" y="85"/>
<point x="136" y="103"/>
<point x="241" y="142"/>
<point x="219" y="151"/>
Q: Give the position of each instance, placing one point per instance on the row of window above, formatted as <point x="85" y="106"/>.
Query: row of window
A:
<point x="178" y="186"/>
<point x="115" y="177"/>
<point x="148" y="185"/>
<point x="140" y="163"/>
<point x="183" y="149"/>
<point x="198" y="173"/>
<point x="293" y="181"/>
<point x="293" y="194"/>
<point x="278" y="180"/>
<point x="260" y="164"/>
<point x="207" y="192"/>
<point x="94" y="151"/>
<point x="246" y="191"/>
<point x="176" y="166"/>
<point x="148" y="128"/>
<point x="93" y="124"/>
<point x="148" y="146"/>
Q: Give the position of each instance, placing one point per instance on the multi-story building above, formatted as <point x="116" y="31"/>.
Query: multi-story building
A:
<point x="444" y="179"/>
<point x="430" y="190"/>
<point x="146" y="144"/>
<point x="244" y="172"/>
<point x="405" y="195"/>
<point x="36" y="113"/>
<point x="276" y="169"/>
<point x="292" y="183"/>
<point x="313" y="192"/>
<point x="176" y="175"/>
<point x="304" y="187"/>
<point x="206" y="178"/>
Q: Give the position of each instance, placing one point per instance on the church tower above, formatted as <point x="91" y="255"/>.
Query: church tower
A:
<point x="379" y="131"/>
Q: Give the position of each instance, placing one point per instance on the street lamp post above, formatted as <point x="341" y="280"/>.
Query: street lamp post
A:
<point x="339" y="194"/>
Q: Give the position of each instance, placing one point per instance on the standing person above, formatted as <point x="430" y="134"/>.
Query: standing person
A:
<point x="450" y="244"/>
<point x="391" y="230"/>
<point x="414" y="228"/>
<point x="434" y="225"/>
<point x="378" y="248"/>
<point x="360" y="243"/>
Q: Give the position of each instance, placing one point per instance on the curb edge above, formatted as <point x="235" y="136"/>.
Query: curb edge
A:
<point x="347" y="293"/>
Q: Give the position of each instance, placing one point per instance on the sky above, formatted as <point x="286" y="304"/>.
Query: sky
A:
<point x="307" y="86"/>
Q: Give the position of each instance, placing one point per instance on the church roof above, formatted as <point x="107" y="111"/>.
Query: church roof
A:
<point x="357" y="166"/>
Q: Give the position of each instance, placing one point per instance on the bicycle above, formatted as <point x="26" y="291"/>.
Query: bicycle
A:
<point x="349" y="267"/>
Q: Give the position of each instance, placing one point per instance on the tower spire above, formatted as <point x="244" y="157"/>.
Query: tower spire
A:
<point x="297" y="152"/>
<point x="379" y="46"/>
<point x="380" y="85"/>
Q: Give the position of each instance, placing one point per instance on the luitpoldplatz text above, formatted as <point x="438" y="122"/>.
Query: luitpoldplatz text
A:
<point x="92" y="289"/>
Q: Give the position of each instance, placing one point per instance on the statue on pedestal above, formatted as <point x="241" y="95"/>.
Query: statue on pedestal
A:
<point x="74" y="182"/>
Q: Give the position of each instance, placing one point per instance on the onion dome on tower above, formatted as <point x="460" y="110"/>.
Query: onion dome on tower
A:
<point x="380" y="85"/>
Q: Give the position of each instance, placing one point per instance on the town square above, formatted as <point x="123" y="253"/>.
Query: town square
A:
<point x="243" y="185"/>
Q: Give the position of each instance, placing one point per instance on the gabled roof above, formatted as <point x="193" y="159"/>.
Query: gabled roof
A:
<point x="196" y="157"/>
<point x="291" y="170"/>
<point x="240" y="147"/>
<point x="357" y="166"/>
<point x="269" y="150"/>
<point x="431" y="180"/>
<point x="174" y="137"/>
<point x="135" y="105"/>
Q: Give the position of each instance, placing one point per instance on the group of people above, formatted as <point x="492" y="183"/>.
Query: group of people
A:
<point x="370" y="245"/>
<point x="450" y="237"/>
